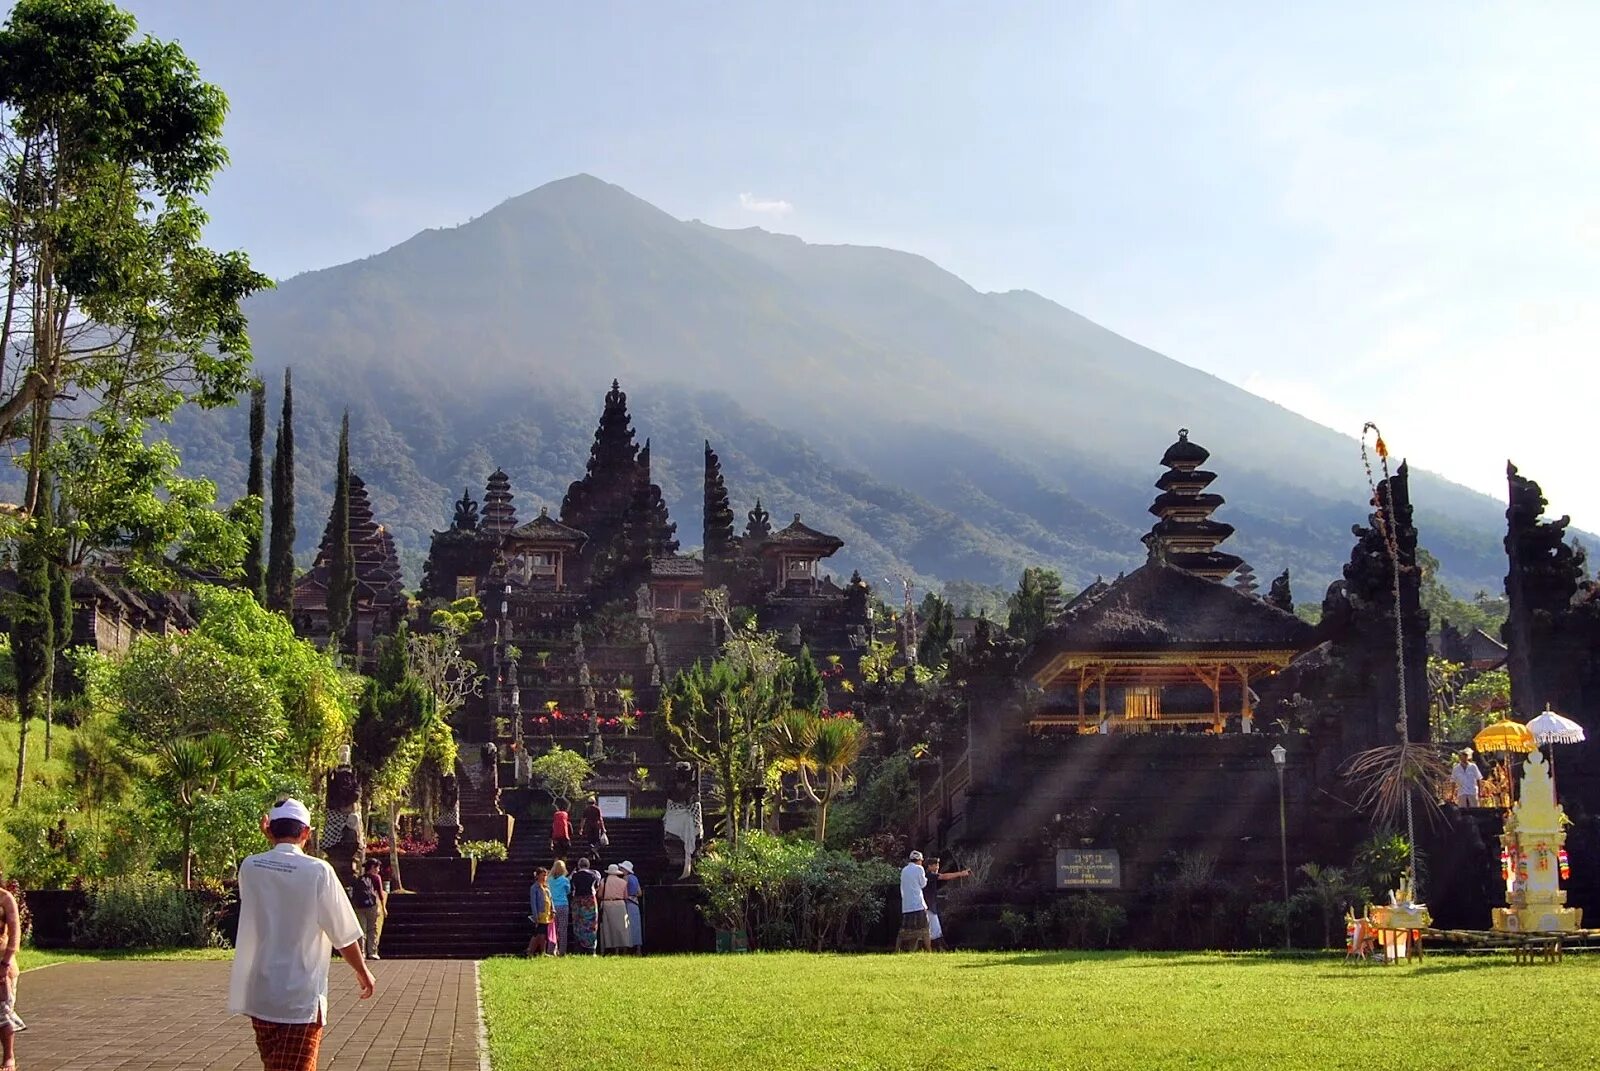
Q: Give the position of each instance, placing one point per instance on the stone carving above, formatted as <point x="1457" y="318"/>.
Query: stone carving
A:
<point x="683" y="823"/>
<point x="448" y="824"/>
<point x="342" y="841"/>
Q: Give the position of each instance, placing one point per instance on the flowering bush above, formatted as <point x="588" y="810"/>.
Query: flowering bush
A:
<point x="484" y="849"/>
<point x="408" y="846"/>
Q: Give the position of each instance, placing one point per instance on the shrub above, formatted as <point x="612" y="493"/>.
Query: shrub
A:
<point x="791" y="893"/>
<point x="147" y="912"/>
<point x="484" y="849"/>
<point x="23" y="914"/>
<point x="1019" y="931"/>
<point x="1087" y="920"/>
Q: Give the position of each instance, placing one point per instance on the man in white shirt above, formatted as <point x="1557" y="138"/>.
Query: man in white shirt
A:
<point x="913" y="907"/>
<point x="1466" y="776"/>
<point x="292" y="913"/>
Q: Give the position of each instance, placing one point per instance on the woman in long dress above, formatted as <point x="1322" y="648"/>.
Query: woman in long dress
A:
<point x="614" y="910"/>
<point x="585" y="908"/>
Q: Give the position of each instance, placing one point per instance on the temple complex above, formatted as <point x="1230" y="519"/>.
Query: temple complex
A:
<point x="380" y="598"/>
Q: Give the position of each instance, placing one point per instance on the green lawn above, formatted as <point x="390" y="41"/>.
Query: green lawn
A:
<point x="36" y="957"/>
<point x="1035" y="1011"/>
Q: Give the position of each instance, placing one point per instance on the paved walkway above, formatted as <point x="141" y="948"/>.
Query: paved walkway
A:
<point x="153" y="1016"/>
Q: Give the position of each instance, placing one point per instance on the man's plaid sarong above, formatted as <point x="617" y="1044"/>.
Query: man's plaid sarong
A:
<point x="287" y="1046"/>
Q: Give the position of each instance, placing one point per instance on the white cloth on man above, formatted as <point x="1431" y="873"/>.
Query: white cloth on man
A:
<point x="935" y="927"/>
<point x="913" y="879"/>
<point x="1466" y="779"/>
<point x="292" y="914"/>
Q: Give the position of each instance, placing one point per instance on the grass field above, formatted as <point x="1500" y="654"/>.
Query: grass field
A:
<point x="36" y="957"/>
<point x="1106" y="1011"/>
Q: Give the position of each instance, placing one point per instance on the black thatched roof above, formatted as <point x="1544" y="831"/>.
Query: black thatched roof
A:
<point x="1198" y="479"/>
<point x="801" y="535"/>
<point x="1161" y="608"/>
<point x="677" y="566"/>
<point x="1184" y="454"/>
<point x="546" y="529"/>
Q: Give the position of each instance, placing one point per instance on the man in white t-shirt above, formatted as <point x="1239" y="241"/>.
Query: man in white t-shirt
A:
<point x="292" y="913"/>
<point x="913" y="907"/>
<point x="1466" y="776"/>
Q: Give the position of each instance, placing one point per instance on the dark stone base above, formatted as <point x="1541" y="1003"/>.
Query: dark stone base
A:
<point x="53" y="912"/>
<point x="430" y="873"/>
<point x="487" y="827"/>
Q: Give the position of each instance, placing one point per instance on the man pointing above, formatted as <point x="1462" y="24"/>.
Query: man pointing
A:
<point x="292" y="913"/>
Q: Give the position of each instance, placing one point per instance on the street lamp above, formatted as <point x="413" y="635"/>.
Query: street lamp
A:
<point x="1280" y="758"/>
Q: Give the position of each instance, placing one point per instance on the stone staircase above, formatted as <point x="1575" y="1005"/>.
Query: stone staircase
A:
<point x="490" y="917"/>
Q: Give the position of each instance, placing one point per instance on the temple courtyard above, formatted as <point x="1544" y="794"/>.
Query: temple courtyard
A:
<point x="1106" y="1011"/>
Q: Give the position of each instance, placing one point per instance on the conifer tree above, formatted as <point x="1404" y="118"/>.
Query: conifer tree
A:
<point x="341" y="561"/>
<point x="255" y="579"/>
<point x="1036" y="602"/>
<point x="32" y="623"/>
<point x="280" y="555"/>
<point x="719" y="537"/>
<point x="933" y="649"/>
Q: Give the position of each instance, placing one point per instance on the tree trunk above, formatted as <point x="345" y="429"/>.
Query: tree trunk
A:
<point x="394" y="842"/>
<point x="188" y="852"/>
<point x="22" y="747"/>
<point x="822" y="808"/>
<point x="49" y="709"/>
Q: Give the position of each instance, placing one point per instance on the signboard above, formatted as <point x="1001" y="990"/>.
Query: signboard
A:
<point x="613" y="806"/>
<point x="1089" y="868"/>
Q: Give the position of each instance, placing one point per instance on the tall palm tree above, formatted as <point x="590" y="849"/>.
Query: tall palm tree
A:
<point x="192" y="767"/>
<point x="834" y="750"/>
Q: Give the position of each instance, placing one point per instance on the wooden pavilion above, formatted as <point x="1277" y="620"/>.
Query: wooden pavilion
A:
<point x="1159" y="649"/>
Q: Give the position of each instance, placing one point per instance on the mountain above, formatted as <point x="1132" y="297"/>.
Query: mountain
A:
<point x="942" y="432"/>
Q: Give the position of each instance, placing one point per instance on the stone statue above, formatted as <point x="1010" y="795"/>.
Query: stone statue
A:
<point x="448" y="824"/>
<point x="682" y="822"/>
<point x="342" y="841"/>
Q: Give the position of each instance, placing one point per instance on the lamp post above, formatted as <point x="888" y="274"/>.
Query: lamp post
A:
<point x="1280" y="757"/>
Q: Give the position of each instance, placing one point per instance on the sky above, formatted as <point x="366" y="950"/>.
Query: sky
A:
<point x="1364" y="212"/>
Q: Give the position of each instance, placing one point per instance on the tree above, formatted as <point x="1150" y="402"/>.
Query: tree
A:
<point x="561" y="772"/>
<point x="835" y="748"/>
<point x="392" y="734"/>
<point x="255" y="580"/>
<point x="62" y="616"/>
<point x="341" y="559"/>
<point x="189" y="768"/>
<point x="933" y="650"/>
<point x="109" y="139"/>
<point x="1036" y="602"/>
<point x="280" y="549"/>
<point x="719" y="537"/>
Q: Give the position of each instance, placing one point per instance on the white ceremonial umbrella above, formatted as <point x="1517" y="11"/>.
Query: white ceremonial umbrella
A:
<point x="1553" y="728"/>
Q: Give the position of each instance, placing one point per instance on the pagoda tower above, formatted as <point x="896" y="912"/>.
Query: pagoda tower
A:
<point x="1185" y="536"/>
<point x="499" y="514"/>
<point x="380" y="598"/>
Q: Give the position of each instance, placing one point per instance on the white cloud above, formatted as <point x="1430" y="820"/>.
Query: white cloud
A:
<point x="751" y="203"/>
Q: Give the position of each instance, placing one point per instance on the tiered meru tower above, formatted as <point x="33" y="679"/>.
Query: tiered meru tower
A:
<point x="1185" y="536"/>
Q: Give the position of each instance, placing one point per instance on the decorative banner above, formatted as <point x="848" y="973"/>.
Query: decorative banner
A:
<point x="1092" y="868"/>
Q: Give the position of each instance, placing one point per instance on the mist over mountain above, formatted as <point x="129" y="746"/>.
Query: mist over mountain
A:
<point x="942" y="432"/>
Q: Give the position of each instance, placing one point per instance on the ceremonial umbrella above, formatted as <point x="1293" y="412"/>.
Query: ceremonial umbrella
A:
<point x="1553" y="728"/>
<point x="1505" y="736"/>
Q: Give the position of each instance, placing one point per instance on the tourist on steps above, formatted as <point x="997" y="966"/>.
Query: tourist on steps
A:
<point x="585" y="908"/>
<point x="561" y="832"/>
<point x="293" y="913"/>
<point x="1466" y="776"/>
<point x="614" y="911"/>
<point x="594" y="828"/>
<point x="367" y="897"/>
<point x="542" y="914"/>
<point x="635" y="910"/>
<point x="560" y="901"/>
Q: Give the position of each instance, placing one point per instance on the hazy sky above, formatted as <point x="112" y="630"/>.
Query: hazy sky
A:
<point x="1359" y="212"/>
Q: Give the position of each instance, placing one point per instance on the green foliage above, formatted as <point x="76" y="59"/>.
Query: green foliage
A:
<point x="1484" y="611"/>
<point x="481" y="850"/>
<point x="886" y="802"/>
<point x="1036" y="602"/>
<point x="561" y="772"/>
<point x="1076" y="920"/>
<point x="1381" y="861"/>
<point x="145" y="911"/>
<point x="393" y="728"/>
<point x="973" y="599"/>
<point x="1328" y="892"/>
<point x="166" y="689"/>
<point x="787" y="893"/>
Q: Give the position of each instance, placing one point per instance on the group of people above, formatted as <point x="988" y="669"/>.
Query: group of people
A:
<point x="919" y="897"/>
<point x="584" y="912"/>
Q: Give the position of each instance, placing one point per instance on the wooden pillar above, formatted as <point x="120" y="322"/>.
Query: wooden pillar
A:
<point x="1104" y="717"/>
<point x="1083" y="686"/>
<point x="1246" y="714"/>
